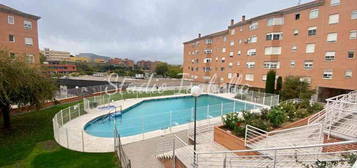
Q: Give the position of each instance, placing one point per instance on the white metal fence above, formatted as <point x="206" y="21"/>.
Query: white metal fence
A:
<point x="119" y="151"/>
<point x="257" y="97"/>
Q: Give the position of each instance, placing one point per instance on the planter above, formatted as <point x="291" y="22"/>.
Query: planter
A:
<point x="230" y="141"/>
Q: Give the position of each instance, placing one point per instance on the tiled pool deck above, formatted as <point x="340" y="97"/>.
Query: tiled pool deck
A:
<point x="72" y="134"/>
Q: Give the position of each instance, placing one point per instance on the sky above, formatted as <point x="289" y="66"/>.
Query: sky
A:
<point x="136" y="29"/>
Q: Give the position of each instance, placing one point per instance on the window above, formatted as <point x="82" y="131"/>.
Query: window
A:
<point x="271" y="65"/>
<point x="333" y="19"/>
<point x="275" y="21"/>
<point x="249" y="77"/>
<point x="233" y="31"/>
<point x="252" y="39"/>
<point x="353" y="34"/>
<point x="231" y="54"/>
<point x="10" y="19"/>
<point x="312" y="31"/>
<point x="207" y="60"/>
<point x="354" y="14"/>
<point x="239" y="53"/>
<point x="27" y="25"/>
<point x="30" y="58"/>
<point x="296" y="32"/>
<point x="223" y="60"/>
<point x="310" y="48"/>
<point x="314" y="14"/>
<point x="327" y="74"/>
<point x="253" y="26"/>
<point x="223" y="50"/>
<point x="292" y="64"/>
<point x="230" y="65"/>
<point x="222" y="69"/>
<point x="351" y="54"/>
<point x="330" y="56"/>
<point x="232" y="43"/>
<point x="28" y="41"/>
<point x="293" y="48"/>
<point x="274" y="36"/>
<point x="252" y="52"/>
<point x="332" y="37"/>
<point x="348" y="74"/>
<point x="238" y="63"/>
<point x="264" y="77"/>
<point x="305" y="79"/>
<point x="206" y="69"/>
<point x="334" y="2"/>
<point x="208" y="41"/>
<point x="250" y="64"/>
<point x="229" y="75"/>
<point x="308" y="64"/>
<point x="297" y="16"/>
<point x="272" y="50"/>
<point x="224" y="38"/>
<point x="11" y="38"/>
<point x="207" y="51"/>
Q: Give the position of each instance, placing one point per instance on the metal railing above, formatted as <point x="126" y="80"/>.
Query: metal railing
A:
<point x="118" y="149"/>
<point x="305" y="135"/>
<point x="278" y="157"/>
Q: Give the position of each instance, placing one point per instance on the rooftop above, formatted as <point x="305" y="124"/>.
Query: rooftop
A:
<point x="6" y="9"/>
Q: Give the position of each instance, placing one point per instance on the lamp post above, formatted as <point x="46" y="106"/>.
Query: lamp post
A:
<point x="195" y="91"/>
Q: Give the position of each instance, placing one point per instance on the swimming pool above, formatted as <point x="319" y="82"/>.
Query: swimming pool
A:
<point x="157" y="114"/>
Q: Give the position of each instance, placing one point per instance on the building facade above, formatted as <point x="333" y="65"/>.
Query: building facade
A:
<point x="53" y="55"/>
<point x="122" y="62"/>
<point x="316" y="41"/>
<point x="60" y="69"/>
<point x="19" y="34"/>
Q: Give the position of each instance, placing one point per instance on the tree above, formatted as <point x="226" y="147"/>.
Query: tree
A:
<point x="270" y="82"/>
<point x="42" y="58"/>
<point x="174" y="71"/>
<point x="279" y="84"/>
<point x="293" y="87"/>
<point x="161" y="69"/>
<point x="21" y="84"/>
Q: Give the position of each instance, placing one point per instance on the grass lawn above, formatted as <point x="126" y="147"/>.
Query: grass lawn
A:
<point x="30" y="143"/>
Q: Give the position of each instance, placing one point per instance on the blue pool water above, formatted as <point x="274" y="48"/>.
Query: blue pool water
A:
<point x="151" y="115"/>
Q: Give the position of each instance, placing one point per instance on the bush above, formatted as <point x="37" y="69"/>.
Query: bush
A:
<point x="290" y="110"/>
<point x="315" y="107"/>
<point x="302" y="113"/>
<point x="230" y="120"/>
<point x="276" y="117"/>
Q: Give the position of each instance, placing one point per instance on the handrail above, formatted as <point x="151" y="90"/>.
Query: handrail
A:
<point x="281" y="148"/>
<point x="293" y="128"/>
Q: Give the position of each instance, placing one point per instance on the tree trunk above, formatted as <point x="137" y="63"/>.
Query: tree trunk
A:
<point x="6" y="115"/>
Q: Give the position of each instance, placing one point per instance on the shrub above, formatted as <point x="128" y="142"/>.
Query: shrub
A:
<point x="270" y="82"/>
<point x="315" y="107"/>
<point x="302" y="113"/>
<point x="290" y="110"/>
<point x="230" y="120"/>
<point x="276" y="116"/>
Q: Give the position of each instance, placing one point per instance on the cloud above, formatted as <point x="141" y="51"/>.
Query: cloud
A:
<point x="141" y="29"/>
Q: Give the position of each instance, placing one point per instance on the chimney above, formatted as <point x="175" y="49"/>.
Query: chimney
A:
<point x="243" y="18"/>
<point x="232" y="22"/>
<point x="199" y="35"/>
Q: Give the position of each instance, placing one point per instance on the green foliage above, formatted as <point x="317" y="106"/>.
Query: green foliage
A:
<point x="276" y="116"/>
<point x="174" y="71"/>
<point x="351" y="158"/>
<point x="42" y="58"/>
<point x="279" y="84"/>
<point x="22" y="84"/>
<point x="162" y="69"/>
<point x="294" y="88"/>
<point x="270" y="82"/>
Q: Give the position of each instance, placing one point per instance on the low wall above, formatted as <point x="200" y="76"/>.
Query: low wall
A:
<point x="167" y="163"/>
<point x="231" y="142"/>
<point x="337" y="148"/>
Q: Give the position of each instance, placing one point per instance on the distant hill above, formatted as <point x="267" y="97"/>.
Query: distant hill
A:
<point x="93" y="56"/>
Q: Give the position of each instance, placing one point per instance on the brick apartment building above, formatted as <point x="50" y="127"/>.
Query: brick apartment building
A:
<point x="316" y="41"/>
<point x="147" y="65"/>
<point x="122" y="62"/>
<point x="19" y="35"/>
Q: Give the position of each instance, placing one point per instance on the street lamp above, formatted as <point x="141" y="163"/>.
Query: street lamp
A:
<point x="196" y="92"/>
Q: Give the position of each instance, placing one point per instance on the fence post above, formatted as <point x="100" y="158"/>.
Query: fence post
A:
<point x="234" y="106"/>
<point x="173" y="153"/>
<point x="82" y="142"/>
<point x="225" y="160"/>
<point x="61" y="118"/>
<point x="170" y="120"/>
<point x="245" y="106"/>
<point x="69" y="113"/>
<point x="221" y="109"/>
<point x="67" y="137"/>
<point x="274" y="159"/>
<point x="271" y="100"/>
<point x="207" y="111"/>
<point x="264" y="99"/>
<point x="246" y="135"/>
